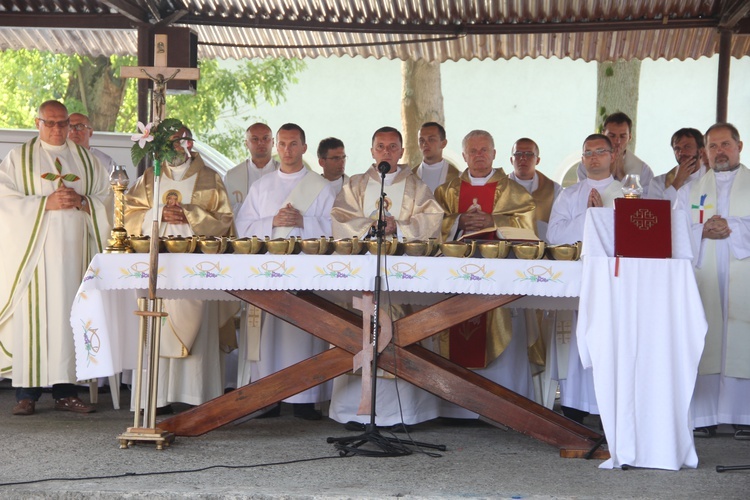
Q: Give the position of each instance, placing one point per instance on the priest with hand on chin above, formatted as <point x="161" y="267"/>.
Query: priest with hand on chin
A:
<point x="478" y="203"/>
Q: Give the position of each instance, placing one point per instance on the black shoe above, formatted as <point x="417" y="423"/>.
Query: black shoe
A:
<point x="399" y="428"/>
<point x="162" y="410"/>
<point x="306" y="411"/>
<point x="705" y="432"/>
<point x="354" y="426"/>
<point x="574" y="414"/>
<point x="273" y="412"/>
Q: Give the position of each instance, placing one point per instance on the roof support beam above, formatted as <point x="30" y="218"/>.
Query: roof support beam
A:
<point x="66" y="21"/>
<point x="454" y="29"/>
<point x="722" y="90"/>
<point x="732" y="12"/>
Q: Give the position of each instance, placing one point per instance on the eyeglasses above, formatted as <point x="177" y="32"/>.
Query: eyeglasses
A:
<point x="336" y="158"/>
<point x="79" y="127"/>
<point x="390" y="147"/>
<point x="597" y="152"/>
<point x="52" y="123"/>
<point x="524" y="154"/>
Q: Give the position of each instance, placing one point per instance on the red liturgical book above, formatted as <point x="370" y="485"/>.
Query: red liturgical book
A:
<point x="643" y="228"/>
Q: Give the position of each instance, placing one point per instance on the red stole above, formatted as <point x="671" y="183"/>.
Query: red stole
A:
<point x="468" y="340"/>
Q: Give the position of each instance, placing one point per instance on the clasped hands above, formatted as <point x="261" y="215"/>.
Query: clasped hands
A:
<point x="65" y="198"/>
<point x="173" y="214"/>
<point x="716" y="228"/>
<point x="390" y="225"/>
<point x="474" y="220"/>
<point x="288" y="216"/>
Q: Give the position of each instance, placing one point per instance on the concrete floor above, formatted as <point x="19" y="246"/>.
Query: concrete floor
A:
<point x="61" y="455"/>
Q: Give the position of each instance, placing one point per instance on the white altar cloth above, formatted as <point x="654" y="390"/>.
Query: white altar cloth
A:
<point x="643" y="333"/>
<point x="105" y="328"/>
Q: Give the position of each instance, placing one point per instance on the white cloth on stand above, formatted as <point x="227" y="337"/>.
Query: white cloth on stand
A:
<point x="641" y="355"/>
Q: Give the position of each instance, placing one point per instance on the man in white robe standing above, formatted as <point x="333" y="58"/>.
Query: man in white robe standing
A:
<point x="598" y="189"/>
<point x="259" y="142"/>
<point x="687" y="145"/>
<point x="53" y="219"/>
<point x="434" y="169"/>
<point x="292" y="201"/>
<point x="719" y="207"/>
<point x="618" y="127"/>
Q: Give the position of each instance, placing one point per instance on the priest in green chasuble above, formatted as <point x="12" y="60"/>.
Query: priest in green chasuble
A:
<point x="479" y="202"/>
<point x="54" y="199"/>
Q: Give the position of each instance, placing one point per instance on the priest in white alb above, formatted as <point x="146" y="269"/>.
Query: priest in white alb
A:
<point x="719" y="208"/>
<point x="292" y="201"/>
<point x="411" y="213"/>
<point x="53" y="219"/>
<point x="193" y="201"/>
<point x="480" y="202"/>
<point x="597" y="189"/>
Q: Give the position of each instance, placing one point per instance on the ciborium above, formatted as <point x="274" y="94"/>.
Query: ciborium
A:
<point x="118" y="242"/>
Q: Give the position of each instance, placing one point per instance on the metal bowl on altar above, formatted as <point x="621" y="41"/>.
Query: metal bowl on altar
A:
<point x="389" y="247"/>
<point x="497" y="249"/>
<point x="417" y="248"/>
<point x="565" y="252"/>
<point x="140" y="244"/>
<point x="282" y="246"/>
<point x="247" y="245"/>
<point x="349" y="246"/>
<point x="529" y="251"/>
<point x="317" y="246"/>
<point x="179" y="244"/>
<point x="458" y="248"/>
<point x="212" y="245"/>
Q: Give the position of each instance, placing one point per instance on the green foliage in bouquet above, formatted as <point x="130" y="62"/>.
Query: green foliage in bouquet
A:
<point x="155" y="141"/>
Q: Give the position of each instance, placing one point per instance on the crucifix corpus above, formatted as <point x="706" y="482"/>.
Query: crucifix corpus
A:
<point x="150" y="310"/>
<point x="160" y="73"/>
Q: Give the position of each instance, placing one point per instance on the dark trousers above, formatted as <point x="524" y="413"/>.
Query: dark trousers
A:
<point x="59" y="391"/>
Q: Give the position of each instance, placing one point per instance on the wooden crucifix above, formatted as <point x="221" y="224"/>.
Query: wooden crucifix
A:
<point x="160" y="73"/>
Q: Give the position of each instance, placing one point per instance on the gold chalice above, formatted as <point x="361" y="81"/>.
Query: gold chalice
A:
<point x="458" y="248"/>
<point x="316" y="246"/>
<point x="565" y="252"/>
<point x="417" y="248"/>
<point x="212" y="245"/>
<point x="529" y="251"/>
<point x="179" y="244"/>
<point x="140" y="244"/>
<point x="246" y="245"/>
<point x="497" y="249"/>
<point x="349" y="246"/>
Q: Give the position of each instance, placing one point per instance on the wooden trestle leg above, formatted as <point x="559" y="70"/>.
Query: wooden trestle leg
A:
<point x="409" y="361"/>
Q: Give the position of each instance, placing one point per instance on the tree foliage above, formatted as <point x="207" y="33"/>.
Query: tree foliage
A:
<point x="76" y="81"/>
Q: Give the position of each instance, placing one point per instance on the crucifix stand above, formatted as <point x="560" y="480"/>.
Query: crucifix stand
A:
<point x="150" y="310"/>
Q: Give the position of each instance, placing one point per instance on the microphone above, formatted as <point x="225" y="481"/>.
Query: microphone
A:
<point x="384" y="167"/>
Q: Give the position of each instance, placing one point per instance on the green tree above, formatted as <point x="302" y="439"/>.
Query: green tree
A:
<point x="91" y="85"/>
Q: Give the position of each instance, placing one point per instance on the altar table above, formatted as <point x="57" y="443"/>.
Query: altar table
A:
<point x="104" y="332"/>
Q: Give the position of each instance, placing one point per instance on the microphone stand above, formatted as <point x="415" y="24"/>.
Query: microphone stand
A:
<point x="385" y="446"/>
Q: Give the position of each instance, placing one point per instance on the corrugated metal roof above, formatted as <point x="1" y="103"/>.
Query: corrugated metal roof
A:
<point x="401" y="29"/>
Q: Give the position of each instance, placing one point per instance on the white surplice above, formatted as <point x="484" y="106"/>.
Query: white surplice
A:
<point x="719" y="398"/>
<point x="242" y="176"/>
<point x="566" y="226"/>
<point x="281" y="344"/>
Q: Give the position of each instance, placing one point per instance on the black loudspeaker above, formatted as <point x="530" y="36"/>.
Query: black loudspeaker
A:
<point x="182" y="52"/>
